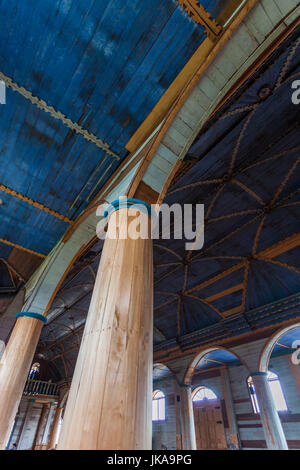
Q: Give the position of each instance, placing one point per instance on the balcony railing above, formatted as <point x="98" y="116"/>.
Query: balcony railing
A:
<point x="38" y="387"/>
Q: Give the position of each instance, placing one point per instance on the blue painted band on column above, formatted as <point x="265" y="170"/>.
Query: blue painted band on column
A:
<point x="258" y="373"/>
<point x="120" y="204"/>
<point x="37" y="316"/>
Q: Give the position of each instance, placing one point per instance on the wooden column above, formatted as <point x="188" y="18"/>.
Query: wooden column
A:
<point x="45" y="439"/>
<point x="233" y="427"/>
<point x="14" y="367"/>
<point x="54" y="429"/>
<point x="41" y="423"/>
<point x="187" y="418"/>
<point x="177" y="415"/>
<point x="25" y="423"/>
<point x="270" y="420"/>
<point x="110" y="400"/>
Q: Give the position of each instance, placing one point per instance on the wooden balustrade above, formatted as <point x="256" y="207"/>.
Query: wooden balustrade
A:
<point x="39" y="387"/>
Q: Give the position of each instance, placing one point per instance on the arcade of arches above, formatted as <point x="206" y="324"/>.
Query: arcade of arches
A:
<point x="112" y="113"/>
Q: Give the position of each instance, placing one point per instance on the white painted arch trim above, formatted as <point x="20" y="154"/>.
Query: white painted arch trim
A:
<point x="270" y="344"/>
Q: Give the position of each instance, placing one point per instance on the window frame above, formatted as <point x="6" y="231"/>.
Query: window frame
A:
<point x="159" y="414"/>
<point x="253" y="396"/>
<point x="205" y="399"/>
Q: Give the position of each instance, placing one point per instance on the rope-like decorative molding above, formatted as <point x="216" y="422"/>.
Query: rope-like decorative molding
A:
<point x="198" y="14"/>
<point x="36" y="316"/>
<point x="6" y="242"/>
<point x="128" y="202"/>
<point x="40" y="206"/>
<point x="41" y="104"/>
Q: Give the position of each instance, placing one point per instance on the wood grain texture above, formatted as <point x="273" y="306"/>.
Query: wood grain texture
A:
<point x="40" y="427"/>
<point x="110" y="401"/>
<point x="54" y="428"/>
<point x="14" y="367"/>
<point x="272" y="427"/>
<point x="209" y="425"/>
<point x="187" y="419"/>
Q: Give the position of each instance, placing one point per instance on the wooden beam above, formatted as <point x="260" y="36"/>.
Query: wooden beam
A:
<point x="271" y="252"/>
<point x="33" y="203"/>
<point x="281" y="247"/>
<point x="15" y="245"/>
<point x="183" y="84"/>
<point x="225" y="292"/>
<point x="219" y="276"/>
<point x="233" y="311"/>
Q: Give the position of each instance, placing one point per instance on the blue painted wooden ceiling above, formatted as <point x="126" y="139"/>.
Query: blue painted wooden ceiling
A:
<point x="102" y="64"/>
<point x="218" y="358"/>
<point x="286" y="344"/>
<point x="257" y="132"/>
<point x="246" y="172"/>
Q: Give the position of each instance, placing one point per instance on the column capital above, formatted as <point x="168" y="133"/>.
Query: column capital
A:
<point x="125" y="202"/>
<point x="263" y="374"/>
<point x="37" y="316"/>
<point x="186" y="386"/>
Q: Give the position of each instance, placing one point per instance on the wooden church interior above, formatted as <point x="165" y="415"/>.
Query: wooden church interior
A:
<point x="143" y="344"/>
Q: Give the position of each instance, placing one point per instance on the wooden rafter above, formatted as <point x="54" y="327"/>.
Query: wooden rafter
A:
<point x="204" y="301"/>
<point x="281" y="247"/>
<point x="73" y="126"/>
<point x="265" y="255"/>
<point x="206" y="359"/>
<point x="216" y="278"/>
<point x="22" y="248"/>
<point x="225" y="292"/>
<point x="275" y="250"/>
<point x="33" y="203"/>
<point x="232" y="311"/>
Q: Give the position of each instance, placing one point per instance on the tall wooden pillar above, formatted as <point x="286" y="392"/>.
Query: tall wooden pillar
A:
<point x="187" y="418"/>
<point x="54" y="429"/>
<point x="14" y="368"/>
<point x="40" y="427"/>
<point x="233" y="426"/>
<point x="46" y="437"/>
<point x="110" y="400"/>
<point x="270" y="420"/>
<point x="27" y="418"/>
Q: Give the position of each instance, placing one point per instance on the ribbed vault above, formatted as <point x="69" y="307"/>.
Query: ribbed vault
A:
<point x="244" y="167"/>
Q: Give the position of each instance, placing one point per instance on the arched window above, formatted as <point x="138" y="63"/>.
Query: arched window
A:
<point x="158" y="406"/>
<point x="204" y="393"/>
<point x="35" y="368"/>
<point x="276" y="390"/>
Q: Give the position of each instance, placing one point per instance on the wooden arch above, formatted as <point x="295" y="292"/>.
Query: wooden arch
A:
<point x="188" y="376"/>
<point x="265" y="354"/>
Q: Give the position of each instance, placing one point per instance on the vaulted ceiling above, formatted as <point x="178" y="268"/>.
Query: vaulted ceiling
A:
<point x="244" y="167"/>
<point x="81" y="76"/>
